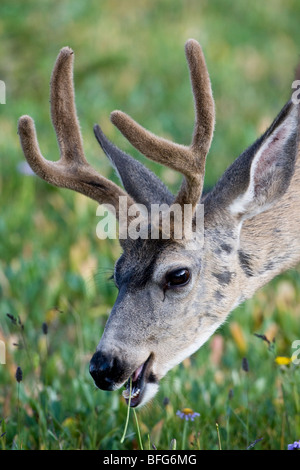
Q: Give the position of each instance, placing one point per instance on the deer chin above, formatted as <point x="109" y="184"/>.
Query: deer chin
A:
<point x="143" y="384"/>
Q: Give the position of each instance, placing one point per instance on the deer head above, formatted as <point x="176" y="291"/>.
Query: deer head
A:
<point x="173" y="293"/>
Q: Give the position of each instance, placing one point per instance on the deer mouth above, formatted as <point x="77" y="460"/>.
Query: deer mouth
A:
<point x="138" y="382"/>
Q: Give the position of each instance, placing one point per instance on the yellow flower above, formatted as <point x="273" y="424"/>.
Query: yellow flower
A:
<point x="71" y="424"/>
<point x="283" y="361"/>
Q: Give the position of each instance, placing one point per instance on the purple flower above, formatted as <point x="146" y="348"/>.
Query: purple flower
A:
<point x="294" y="446"/>
<point x="187" y="413"/>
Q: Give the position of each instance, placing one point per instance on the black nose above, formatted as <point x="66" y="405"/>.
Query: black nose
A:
<point x="106" y="370"/>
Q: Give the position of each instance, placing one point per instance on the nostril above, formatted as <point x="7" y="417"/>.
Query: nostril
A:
<point x="100" y="362"/>
<point x="92" y="369"/>
<point x="102" y="371"/>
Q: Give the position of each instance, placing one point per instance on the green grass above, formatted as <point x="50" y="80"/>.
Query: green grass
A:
<point x="54" y="270"/>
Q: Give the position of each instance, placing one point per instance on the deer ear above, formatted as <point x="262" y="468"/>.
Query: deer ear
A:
<point x="261" y="175"/>
<point x="272" y="165"/>
<point x="139" y="182"/>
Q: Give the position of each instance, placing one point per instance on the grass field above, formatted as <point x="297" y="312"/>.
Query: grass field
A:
<point x="55" y="292"/>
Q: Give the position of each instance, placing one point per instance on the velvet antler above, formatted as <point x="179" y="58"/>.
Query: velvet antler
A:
<point x="72" y="170"/>
<point x="190" y="161"/>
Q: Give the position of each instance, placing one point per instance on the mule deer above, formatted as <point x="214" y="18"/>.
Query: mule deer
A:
<point x="173" y="294"/>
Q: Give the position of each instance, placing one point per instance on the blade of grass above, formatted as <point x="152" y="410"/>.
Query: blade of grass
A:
<point x="219" y="439"/>
<point x="138" y="429"/>
<point x="128" y="413"/>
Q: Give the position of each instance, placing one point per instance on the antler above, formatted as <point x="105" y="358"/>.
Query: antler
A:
<point x="190" y="161"/>
<point x="72" y="170"/>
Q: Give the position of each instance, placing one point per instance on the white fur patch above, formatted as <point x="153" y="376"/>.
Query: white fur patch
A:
<point x="150" y="391"/>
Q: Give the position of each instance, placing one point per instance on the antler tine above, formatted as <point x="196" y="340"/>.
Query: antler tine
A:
<point x="63" y="110"/>
<point x="190" y="161"/>
<point x="72" y="170"/>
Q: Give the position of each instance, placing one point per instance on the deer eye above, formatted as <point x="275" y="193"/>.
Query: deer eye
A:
<point x="179" y="277"/>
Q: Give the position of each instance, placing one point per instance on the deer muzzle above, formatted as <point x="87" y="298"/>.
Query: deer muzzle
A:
<point x="110" y="373"/>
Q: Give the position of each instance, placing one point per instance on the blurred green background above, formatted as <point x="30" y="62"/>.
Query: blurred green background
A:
<point x="54" y="270"/>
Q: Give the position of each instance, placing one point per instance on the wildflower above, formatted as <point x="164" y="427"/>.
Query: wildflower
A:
<point x="15" y="321"/>
<point x="173" y="444"/>
<point x="283" y="361"/>
<point x="166" y="401"/>
<point x="188" y="414"/>
<point x="12" y="318"/>
<point x="19" y="375"/>
<point x="263" y="337"/>
<point x="245" y="364"/>
<point x="271" y="344"/>
<point x="294" y="446"/>
<point x="255" y="442"/>
<point x="3" y="434"/>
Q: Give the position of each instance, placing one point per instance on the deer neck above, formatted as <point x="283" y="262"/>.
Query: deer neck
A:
<point x="270" y="241"/>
